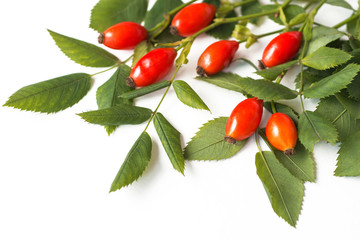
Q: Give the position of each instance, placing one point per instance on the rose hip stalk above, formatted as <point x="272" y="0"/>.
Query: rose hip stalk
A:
<point x="282" y="48"/>
<point x="124" y="35"/>
<point x="244" y="120"/>
<point x="216" y="57"/>
<point x="192" y="18"/>
<point x="281" y="133"/>
<point x="152" y="67"/>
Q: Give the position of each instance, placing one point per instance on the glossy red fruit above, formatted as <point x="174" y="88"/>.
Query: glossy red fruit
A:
<point x="124" y="35"/>
<point x="282" y="48"/>
<point x="216" y="57"/>
<point x="152" y="67"/>
<point x="244" y="120"/>
<point x="192" y="18"/>
<point x="281" y="133"/>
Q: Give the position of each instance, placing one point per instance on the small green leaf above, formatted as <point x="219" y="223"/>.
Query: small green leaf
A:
<point x="188" y="96"/>
<point x="135" y="163"/>
<point x="325" y="58"/>
<point x="252" y="8"/>
<point x="313" y="128"/>
<point x="82" y="52"/>
<point x="335" y="112"/>
<point x="170" y="139"/>
<point x="340" y="3"/>
<point x="298" y="19"/>
<point x="209" y="143"/>
<point x="52" y="95"/>
<point x="285" y="191"/>
<point x="140" y="50"/>
<point x="321" y="36"/>
<point x="351" y="105"/>
<point x="117" y="115"/>
<point x="348" y="161"/>
<point x="156" y="13"/>
<point x="145" y="90"/>
<point x="332" y="84"/>
<point x="354" y="88"/>
<point x="107" y="94"/>
<point x="110" y="12"/>
<point x="224" y="31"/>
<point x="289" y="12"/>
<point x="273" y="72"/>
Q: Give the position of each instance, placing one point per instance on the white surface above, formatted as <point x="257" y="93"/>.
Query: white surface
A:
<point x="56" y="170"/>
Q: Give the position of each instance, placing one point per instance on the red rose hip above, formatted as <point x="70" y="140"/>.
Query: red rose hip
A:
<point x="244" y="120"/>
<point x="281" y="133"/>
<point x="152" y="67"/>
<point x="282" y="48"/>
<point x="216" y="57"/>
<point x="124" y="35"/>
<point x="192" y="18"/>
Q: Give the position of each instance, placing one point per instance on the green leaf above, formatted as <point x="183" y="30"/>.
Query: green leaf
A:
<point x="321" y="36"/>
<point x="266" y="90"/>
<point x="156" y="13"/>
<point x="351" y="105"/>
<point x="188" y="96"/>
<point x="353" y="27"/>
<point x="107" y="13"/>
<point x="285" y="191"/>
<point x="335" y="112"/>
<point x="145" y="90"/>
<point x="252" y="8"/>
<point x="227" y="80"/>
<point x="340" y="3"/>
<point x="170" y="139"/>
<point x="216" y="3"/>
<point x="348" y="161"/>
<point x="82" y="52"/>
<point x="224" y="31"/>
<point x="332" y="84"/>
<point x="107" y="94"/>
<point x="135" y="163"/>
<point x="291" y="11"/>
<point x="273" y="72"/>
<point x="52" y="95"/>
<point x="310" y="76"/>
<point x="298" y="19"/>
<point x="354" y="88"/>
<point x="140" y="50"/>
<point x="279" y="107"/>
<point x="313" y="128"/>
<point x="325" y="58"/>
<point x="117" y="115"/>
<point x="209" y="142"/>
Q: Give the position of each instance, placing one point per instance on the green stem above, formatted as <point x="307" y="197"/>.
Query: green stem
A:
<point x="108" y="69"/>
<point x="340" y="24"/>
<point x="273" y="108"/>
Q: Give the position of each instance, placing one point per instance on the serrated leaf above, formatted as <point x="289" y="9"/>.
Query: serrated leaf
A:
<point x="209" y="142"/>
<point x="170" y="139"/>
<point x="313" y="128"/>
<point x="285" y="191"/>
<point x="156" y="13"/>
<point x="135" y="163"/>
<point x="107" y="94"/>
<point x="224" y="31"/>
<point x="117" y="115"/>
<point x="334" y="111"/>
<point x="188" y="96"/>
<point x="145" y="90"/>
<point x="52" y="95"/>
<point x="354" y="88"/>
<point x="325" y="58"/>
<point x="332" y="84"/>
<point x="83" y="53"/>
<point x="321" y="36"/>
<point x="348" y="161"/>
<point x="140" y="50"/>
<point x="110" y="12"/>
<point x="340" y="3"/>
<point x="351" y="105"/>
<point x="273" y="72"/>
<point x="311" y="76"/>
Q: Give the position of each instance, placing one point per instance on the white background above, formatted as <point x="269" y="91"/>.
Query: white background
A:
<point x="56" y="170"/>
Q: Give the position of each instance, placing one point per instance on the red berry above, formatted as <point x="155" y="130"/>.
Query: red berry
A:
<point x="152" y="67"/>
<point x="192" y="18"/>
<point x="124" y="35"/>
<point x="244" y="120"/>
<point x="282" y="48"/>
<point x="216" y="57"/>
<point x="281" y="133"/>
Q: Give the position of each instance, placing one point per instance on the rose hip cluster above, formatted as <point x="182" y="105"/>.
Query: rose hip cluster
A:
<point x="156" y="64"/>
